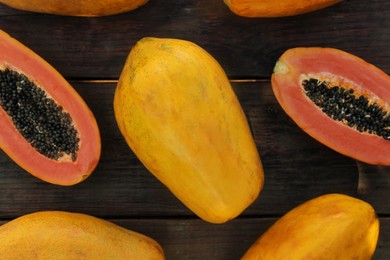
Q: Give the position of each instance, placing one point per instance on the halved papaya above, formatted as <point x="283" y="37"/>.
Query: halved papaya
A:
<point x="76" y="7"/>
<point x="337" y="98"/>
<point x="46" y="127"/>
<point x="279" y="8"/>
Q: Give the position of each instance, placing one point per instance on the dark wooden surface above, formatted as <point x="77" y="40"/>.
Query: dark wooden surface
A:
<point x="90" y="53"/>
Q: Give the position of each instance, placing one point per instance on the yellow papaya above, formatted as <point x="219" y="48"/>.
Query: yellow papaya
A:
<point x="76" y="7"/>
<point x="331" y="226"/>
<point x="179" y="114"/>
<point x="65" y="235"/>
<point x="279" y="8"/>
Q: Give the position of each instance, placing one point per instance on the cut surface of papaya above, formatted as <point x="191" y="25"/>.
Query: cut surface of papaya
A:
<point x="331" y="226"/>
<point x="279" y="8"/>
<point x="67" y="235"/>
<point x="179" y="114"/>
<point x="46" y="127"/>
<point x="338" y="99"/>
<point x="76" y="7"/>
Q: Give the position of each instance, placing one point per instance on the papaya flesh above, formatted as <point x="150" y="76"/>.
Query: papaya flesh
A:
<point x="332" y="226"/>
<point x="65" y="235"/>
<point x="338" y="99"/>
<point x="76" y="7"/>
<point x="46" y="127"/>
<point x="273" y="8"/>
<point x="178" y="113"/>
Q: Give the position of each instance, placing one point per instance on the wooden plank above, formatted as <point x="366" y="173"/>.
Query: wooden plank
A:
<point x="296" y="167"/>
<point x="373" y="182"/>
<point x="193" y="239"/>
<point x="246" y="48"/>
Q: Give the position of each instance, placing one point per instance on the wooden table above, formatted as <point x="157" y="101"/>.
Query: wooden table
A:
<point x="90" y="53"/>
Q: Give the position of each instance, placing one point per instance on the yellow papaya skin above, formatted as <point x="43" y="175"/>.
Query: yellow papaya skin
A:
<point x="65" y="235"/>
<point x="276" y="8"/>
<point x="331" y="226"/>
<point x="76" y="7"/>
<point x="178" y="113"/>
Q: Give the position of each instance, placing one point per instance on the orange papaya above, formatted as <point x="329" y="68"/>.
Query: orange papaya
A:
<point x="46" y="127"/>
<point x="65" y="235"/>
<point x="332" y="226"/>
<point x="76" y="7"/>
<point x="279" y="8"/>
<point x="179" y="114"/>
<point x="337" y="98"/>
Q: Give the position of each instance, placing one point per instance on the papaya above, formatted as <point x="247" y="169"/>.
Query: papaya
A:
<point x="337" y="98"/>
<point x="76" y="7"/>
<point x="66" y="235"/>
<point x="46" y="127"/>
<point x="178" y="113"/>
<point x="332" y="226"/>
<point x="279" y="8"/>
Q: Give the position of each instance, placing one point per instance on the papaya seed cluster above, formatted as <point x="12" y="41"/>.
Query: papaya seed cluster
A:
<point x="343" y="105"/>
<point x="44" y="124"/>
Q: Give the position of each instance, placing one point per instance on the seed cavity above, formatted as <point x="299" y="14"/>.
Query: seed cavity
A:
<point x="37" y="117"/>
<point x="344" y="105"/>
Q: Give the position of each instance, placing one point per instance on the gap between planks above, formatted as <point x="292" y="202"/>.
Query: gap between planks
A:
<point x="115" y="81"/>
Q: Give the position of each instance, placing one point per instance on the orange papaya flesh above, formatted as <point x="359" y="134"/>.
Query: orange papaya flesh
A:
<point x="331" y="226"/>
<point x="46" y="127"/>
<point x="337" y="98"/>
<point x="76" y="7"/>
<point x="272" y="8"/>
<point x="66" y="235"/>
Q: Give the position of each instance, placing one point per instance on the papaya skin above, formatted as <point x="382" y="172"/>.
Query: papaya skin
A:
<point x="76" y="7"/>
<point x="178" y="113"/>
<point x="331" y="226"/>
<point x="65" y="235"/>
<point x="279" y="8"/>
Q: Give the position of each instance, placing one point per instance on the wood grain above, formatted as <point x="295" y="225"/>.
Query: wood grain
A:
<point x="90" y="52"/>
<point x="195" y="239"/>
<point x="296" y="167"/>
<point x="246" y="48"/>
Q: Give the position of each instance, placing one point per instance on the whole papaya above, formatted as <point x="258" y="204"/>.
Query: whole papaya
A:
<point x="177" y="111"/>
<point x="76" y="7"/>
<point x="331" y="226"/>
<point x="65" y="235"/>
<point x="279" y="8"/>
